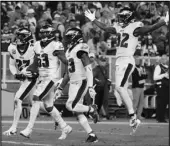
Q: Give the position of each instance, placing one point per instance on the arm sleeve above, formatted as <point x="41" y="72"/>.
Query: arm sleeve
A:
<point x="12" y="66"/>
<point x="157" y="73"/>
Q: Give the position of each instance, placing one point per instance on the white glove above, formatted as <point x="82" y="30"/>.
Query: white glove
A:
<point x="89" y="15"/>
<point x="26" y="73"/>
<point x="167" y="18"/>
<point x="92" y="93"/>
<point x="58" y="93"/>
<point x="166" y="75"/>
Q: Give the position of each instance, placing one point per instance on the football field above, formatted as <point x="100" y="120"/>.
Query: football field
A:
<point x="110" y="133"/>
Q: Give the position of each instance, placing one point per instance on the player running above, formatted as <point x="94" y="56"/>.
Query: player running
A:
<point x="21" y="56"/>
<point x="81" y="80"/>
<point x="127" y="30"/>
<point x="48" y="53"/>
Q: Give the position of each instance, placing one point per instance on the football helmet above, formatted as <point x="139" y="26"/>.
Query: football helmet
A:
<point x="72" y="37"/>
<point x="23" y="39"/>
<point x="125" y="16"/>
<point x="47" y="33"/>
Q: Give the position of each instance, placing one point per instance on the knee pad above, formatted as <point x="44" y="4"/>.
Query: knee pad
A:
<point x="49" y="109"/>
<point x="35" y="98"/>
<point x="17" y="102"/>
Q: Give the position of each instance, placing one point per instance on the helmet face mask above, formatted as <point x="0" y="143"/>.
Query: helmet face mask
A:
<point x="124" y="17"/>
<point x="47" y="33"/>
<point x="23" y="37"/>
<point x="73" y="36"/>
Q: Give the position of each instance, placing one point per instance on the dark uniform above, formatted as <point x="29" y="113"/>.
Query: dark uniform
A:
<point x="162" y="88"/>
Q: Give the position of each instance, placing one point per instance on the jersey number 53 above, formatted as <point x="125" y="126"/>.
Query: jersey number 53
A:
<point x="43" y="60"/>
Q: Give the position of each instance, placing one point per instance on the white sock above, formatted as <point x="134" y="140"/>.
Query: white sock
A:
<point x="126" y="99"/>
<point x="57" y="117"/>
<point x="84" y="123"/>
<point x="33" y="113"/>
<point x="17" y="114"/>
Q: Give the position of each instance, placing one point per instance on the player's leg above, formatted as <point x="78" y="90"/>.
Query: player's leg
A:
<point x="24" y="90"/>
<point x="84" y="123"/>
<point x="77" y="92"/>
<point x="52" y="110"/>
<point x="123" y="72"/>
<point x="41" y="90"/>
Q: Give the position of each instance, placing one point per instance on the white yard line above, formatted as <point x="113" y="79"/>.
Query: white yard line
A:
<point x="25" y="143"/>
<point x="75" y="122"/>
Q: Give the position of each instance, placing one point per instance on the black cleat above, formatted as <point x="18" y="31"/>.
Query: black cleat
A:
<point x="92" y="138"/>
<point x="94" y="114"/>
<point x="56" y="126"/>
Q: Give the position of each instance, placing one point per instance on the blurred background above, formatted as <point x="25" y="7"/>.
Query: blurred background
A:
<point x="64" y="15"/>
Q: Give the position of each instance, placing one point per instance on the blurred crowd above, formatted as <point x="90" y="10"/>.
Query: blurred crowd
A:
<point x="63" y="15"/>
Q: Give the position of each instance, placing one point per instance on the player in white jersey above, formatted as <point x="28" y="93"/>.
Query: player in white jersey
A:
<point x="81" y="80"/>
<point x="48" y="53"/>
<point x="21" y="55"/>
<point x="128" y="31"/>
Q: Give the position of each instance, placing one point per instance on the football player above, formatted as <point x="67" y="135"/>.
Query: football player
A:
<point x="48" y="55"/>
<point x="127" y="30"/>
<point x="21" y="55"/>
<point x="81" y="80"/>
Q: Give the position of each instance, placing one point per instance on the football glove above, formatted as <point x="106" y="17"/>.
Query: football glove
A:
<point x="90" y="15"/>
<point x="167" y="18"/>
<point x="20" y="77"/>
<point x="58" y="93"/>
<point x="92" y="92"/>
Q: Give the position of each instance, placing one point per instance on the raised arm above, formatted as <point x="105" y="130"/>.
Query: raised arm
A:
<point x="145" y="29"/>
<point x="91" y="17"/>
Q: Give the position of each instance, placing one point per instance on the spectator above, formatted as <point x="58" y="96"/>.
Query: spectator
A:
<point x="32" y="21"/>
<point x="58" y="24"/>
<point x="58" y="36"/>
<point x="100" y="74"/>
<point x="94" y="43"/>
<point x="138" y="81"/>
<point x="15" y="15"/>
<point x="161" y="77"/>
<point x="6" y="37"/>
<point x="149" y="49"/>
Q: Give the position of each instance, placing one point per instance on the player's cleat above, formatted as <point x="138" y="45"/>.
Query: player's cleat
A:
<point x="11" y="131"/>
<point x="55" y="125"/>
<point x="26" y="132"/>
<point x="65" y="132"/>
<point x="134" y="124"/>
<point x="94" y="115"/>
<point x="92" y="138"/>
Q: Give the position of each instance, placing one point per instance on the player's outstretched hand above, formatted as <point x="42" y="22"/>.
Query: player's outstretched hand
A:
<point x="167" y="18"/>
<point x="90" y="15"/>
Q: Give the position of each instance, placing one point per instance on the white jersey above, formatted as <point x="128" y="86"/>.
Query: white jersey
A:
<point x="21" y="60"/>
<point x="75" y="66"/>
<point x="48" y="64"/>
<point x="127" y="42"/>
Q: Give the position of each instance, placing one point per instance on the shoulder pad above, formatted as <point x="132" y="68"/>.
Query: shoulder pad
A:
<point x="84" y="47"/>
<point x="139" y="24"/>
<point x="12" y="49"/>
<point x="58" y="45"/>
